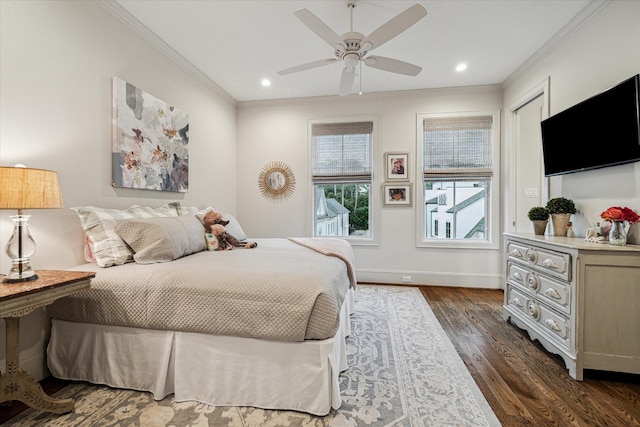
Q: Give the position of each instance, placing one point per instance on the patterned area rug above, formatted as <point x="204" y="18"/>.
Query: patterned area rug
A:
<point x="403" y="371"/>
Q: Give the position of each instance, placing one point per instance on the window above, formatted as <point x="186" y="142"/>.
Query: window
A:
<point x="457" y="162"/>
<point x="341" y="165"/>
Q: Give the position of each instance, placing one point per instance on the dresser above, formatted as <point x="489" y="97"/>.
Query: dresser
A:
<point x="580" y="300"/>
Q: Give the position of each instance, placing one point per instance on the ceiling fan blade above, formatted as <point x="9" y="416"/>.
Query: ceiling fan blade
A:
<point x="308" y="66"/>
<point x="346" y="80"/>
<point x="392" y="65"/>
<point x="321" y="29"/>
<point x="395" y="26"/>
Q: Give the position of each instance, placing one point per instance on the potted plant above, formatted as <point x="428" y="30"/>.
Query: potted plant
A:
<point x="561" y="210"/>
<point x="539" y="215"/>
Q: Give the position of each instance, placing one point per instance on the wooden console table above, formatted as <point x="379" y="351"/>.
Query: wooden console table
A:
<point x="20" y="299"/>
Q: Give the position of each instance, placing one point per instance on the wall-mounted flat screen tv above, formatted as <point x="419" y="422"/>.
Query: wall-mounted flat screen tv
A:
<point x="601" y="131"/>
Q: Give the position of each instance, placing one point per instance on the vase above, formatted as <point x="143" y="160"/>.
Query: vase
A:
<point x="560" y="222"/>
<point x="618" y="233"/>
<point x="539" y="227"/>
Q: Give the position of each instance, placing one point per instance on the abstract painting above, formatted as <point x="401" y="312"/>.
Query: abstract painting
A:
<point x="150" y="148"/>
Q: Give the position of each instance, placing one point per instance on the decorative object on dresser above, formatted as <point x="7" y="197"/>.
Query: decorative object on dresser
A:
<point x="26" y="188"/>
<point x="539" y="216"/>
<point x="579" y="299"/>
<point x="18" y="300"/>
<point x="561" y="210"/>
<point x="620" y="219"/>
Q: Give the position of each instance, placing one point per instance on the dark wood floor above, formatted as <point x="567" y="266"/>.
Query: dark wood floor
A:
<point x="524" y="384"/>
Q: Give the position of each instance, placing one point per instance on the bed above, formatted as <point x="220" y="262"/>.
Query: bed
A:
<point x="263" y="327"/>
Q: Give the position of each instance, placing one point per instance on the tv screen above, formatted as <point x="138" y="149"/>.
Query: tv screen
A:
<point x="601" y="131"/>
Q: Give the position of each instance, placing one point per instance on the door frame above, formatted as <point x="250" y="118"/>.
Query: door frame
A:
<point x="541" y="89"/>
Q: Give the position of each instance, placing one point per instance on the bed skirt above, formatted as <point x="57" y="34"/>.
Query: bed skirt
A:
<point x="212" y="369"/>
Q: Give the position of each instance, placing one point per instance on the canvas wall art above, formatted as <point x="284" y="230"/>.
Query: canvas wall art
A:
<point x="150" y="148"/>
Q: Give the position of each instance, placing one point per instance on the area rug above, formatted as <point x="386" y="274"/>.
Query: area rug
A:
<point x="403" y="371"/>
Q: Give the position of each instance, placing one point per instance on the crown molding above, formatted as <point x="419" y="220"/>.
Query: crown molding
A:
<point x="143" y="31"/>
<point x="334" y="99"/>
<point x="589" y="11"/>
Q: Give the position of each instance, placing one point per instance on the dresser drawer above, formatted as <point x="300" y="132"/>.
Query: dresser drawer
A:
<point x="517" y="273"/>
<point x="557" y="264"/>
<point x="517" y="251"/>
<point x="557" y="293"/>
<point x="555" y="325"/>
<point x="517" y="299"/>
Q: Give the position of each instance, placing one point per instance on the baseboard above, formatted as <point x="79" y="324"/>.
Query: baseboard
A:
<point x="464" y="280"/>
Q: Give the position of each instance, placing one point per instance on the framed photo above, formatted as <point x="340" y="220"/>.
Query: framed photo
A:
<point x="397" y="166"/>
<point x="396" y="194"/>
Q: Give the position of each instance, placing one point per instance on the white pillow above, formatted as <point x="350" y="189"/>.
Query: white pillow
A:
<point x="233" y="227"/>
<point x="162" y="239"/>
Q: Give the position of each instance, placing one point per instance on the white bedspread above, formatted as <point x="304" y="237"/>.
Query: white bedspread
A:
<point x="279" y="291"/>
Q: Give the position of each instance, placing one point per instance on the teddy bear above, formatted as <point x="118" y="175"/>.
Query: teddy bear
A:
<point x="215" y="225"/>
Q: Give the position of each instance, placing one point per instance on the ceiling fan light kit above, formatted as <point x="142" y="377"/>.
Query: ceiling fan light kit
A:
<point x="352" y="48"/>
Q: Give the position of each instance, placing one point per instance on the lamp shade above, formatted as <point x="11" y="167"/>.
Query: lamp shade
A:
<point x="26" y="188"/>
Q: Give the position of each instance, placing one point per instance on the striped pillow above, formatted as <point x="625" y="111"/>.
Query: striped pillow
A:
<point x="99" y="225"/>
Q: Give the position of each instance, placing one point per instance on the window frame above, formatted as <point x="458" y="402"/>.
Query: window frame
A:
<point x="374" y="197"/>
<point x="492" y="240"/>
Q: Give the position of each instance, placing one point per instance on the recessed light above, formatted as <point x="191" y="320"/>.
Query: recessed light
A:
<point x="266" y="82"/>
<point x="461" y="67"/>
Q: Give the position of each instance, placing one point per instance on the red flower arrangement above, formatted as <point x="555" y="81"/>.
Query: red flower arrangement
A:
<point x="617" y="213"/>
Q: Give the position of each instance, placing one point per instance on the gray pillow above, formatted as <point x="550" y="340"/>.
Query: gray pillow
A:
<point x="162" y="239"/>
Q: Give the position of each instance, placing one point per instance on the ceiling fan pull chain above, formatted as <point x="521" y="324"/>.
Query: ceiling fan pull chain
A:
<point x="360" y="78"/>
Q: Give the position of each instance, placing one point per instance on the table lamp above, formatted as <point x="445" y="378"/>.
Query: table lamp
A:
<point x="25" y="188"/>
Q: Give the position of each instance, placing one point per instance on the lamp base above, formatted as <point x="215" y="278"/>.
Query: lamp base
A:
<point x="20" y="279"/>
<point x="20" y="273"/>
<point x="20" y="249"/>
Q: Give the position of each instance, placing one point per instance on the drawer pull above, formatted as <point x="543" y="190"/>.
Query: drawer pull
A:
<point x="552" y="293"/>
<point x="517" y="276"/>
<point x="552" y="325"/>
<point x="515" y="253"/>
<point x="549" y="263"/>
<point x="517" y="301"/>
<point x="532" y="281"/>
<point x="533" y="310"/>
<point x="532" y="255"/>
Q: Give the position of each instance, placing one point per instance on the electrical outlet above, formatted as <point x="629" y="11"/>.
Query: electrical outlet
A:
<point x="406" y="279"/>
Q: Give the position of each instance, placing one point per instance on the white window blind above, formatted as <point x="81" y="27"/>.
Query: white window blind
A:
<point x="457" y="148"/>
<point x="341" y="152"/>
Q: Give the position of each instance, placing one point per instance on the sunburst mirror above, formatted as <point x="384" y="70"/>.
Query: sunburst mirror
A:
<point x="276" y="181"/>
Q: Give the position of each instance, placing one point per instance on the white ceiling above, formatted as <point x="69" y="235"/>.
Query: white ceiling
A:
<point x="238" y="43"/>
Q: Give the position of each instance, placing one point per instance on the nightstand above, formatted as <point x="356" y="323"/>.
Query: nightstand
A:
<point x="20" y="299"/>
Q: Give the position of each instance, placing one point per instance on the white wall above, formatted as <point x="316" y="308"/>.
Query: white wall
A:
<point x="277" y="130"/>
<point x="57" y="59"/>
<point x="601" y="53"/>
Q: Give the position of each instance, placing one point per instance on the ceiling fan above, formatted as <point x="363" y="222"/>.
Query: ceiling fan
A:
<point x="352" y="47"/>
